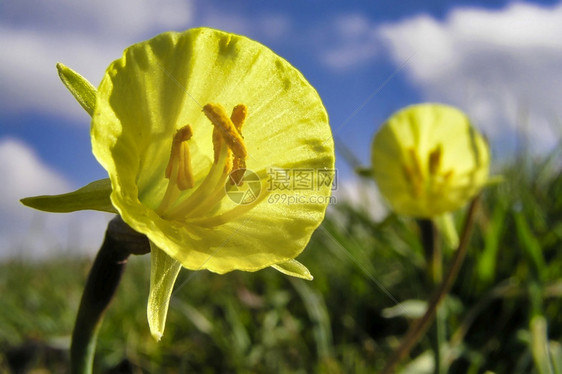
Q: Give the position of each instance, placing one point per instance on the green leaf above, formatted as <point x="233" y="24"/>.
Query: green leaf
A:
<point x="539" y="345"/>
<point x="555" y="350"/>
<point x="294" y="269"/>
<point x="319" y="317"/>
<point x="530" y="243"/>
<point x="94" y="196"/>
<point x="79" y="87"/>
<point x="486" y="266"/>
<point x="163" y="273"/>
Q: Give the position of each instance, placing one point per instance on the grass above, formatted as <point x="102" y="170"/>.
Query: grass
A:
<point x="504" y="313"/>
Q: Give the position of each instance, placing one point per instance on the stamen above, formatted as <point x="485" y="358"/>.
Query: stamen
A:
<point x="238" y="117"/>
<point x="414" y="182"/>
<point x="217" y="144"/>
<point x="435" y="160"/>
<point x="430" y="181"/>
<point x="231" y="136"/>
<point x="232" y="213"/>
<point x="229" y="154"/>
<point x="238" y="171"/>
<point x="181" y="159"/>
<point x="178" y="170"/>
<point x="413" y="170"/>
<point x="417" y="165"/>
<point x="214" y="180"/>
<point x="213" y="196"/>
<point x="447" y="176"/>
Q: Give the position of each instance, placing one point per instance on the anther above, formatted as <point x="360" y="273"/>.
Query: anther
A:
<point x="238" y="116"/>
<point x="217" y="144"/>
<point x="230" y="134"/>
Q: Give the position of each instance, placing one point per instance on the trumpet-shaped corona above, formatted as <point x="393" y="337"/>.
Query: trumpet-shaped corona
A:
<point x="173" y="163"/>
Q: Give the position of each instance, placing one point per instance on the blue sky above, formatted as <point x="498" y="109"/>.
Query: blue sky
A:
<point x="497" y="60"/>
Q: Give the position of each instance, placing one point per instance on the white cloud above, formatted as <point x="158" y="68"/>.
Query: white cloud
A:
<point x="122" y="19"/>
<point x="33" y="234"/>
<point x="29" y="78"/>
<point x="503" y="67"/>
<point x="351" y="40"/>
<point x="86" y="36"/>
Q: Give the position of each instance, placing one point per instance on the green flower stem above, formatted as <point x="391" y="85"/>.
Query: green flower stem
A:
<point x="439" y="339"/>
<point x="120" y="241"/>
<point x="420" y="326"/>
<point x="430" y="242"/>
<point x="434" y="255"/>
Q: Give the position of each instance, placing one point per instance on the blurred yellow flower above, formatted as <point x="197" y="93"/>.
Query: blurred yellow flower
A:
<point x="428" y="159"/>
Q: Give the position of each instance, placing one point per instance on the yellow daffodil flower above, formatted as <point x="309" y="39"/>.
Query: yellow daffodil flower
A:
<point x="428" y="159"/>
<point x="192" y="129"/>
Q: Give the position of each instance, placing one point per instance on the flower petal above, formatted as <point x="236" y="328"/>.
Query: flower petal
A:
<point x="163" y="273"/>
<point x="294" y="269"/>
<point x="94" y="196"/>
<point x="79" y="87"/>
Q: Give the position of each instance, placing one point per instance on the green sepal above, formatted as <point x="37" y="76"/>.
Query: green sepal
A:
<point x="163" y="273"/>
<point x="79" y="87"/>
<point x="294" y="269"/>
<point x="94" y="196"/>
